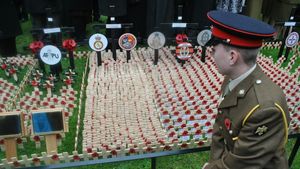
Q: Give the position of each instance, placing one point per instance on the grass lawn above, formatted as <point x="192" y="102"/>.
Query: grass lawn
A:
<point x="190" y="161"/>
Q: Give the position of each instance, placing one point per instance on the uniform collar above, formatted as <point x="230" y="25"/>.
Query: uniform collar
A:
<point x="241" y="89"/>
<point x="235" y="82"/>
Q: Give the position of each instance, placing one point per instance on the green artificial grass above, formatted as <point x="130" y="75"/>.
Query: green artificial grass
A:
<point x="185" y="161"/>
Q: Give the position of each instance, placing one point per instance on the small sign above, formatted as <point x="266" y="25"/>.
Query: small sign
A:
<point x="98" y="42"/>
<point x="113" y="26"/>
<point x="156" y="40"/>
<point x="178" y="25"/>
<point x="11" y="125"/>
<point x="47" y="121"/>
<point x="184" y="51"/>
<point x="50" y="55"/>
<point x="203" y="37"/>
<point x="51" y="30"/>
<point x="292" y="39"/>
<point x="289" y="23"/>
<point x="50" y="19"/>
<point x="127" y="41"/>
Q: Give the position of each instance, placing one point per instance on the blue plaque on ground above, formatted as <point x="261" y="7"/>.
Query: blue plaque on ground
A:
<point x="47" y="121"/>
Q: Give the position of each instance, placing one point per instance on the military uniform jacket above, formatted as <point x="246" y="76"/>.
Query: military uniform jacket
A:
<point x="251" y="127"/>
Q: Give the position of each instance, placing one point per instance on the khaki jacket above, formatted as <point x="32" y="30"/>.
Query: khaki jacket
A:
<point x="251" y="127"/>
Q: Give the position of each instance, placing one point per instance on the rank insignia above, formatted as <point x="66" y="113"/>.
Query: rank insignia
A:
<point x="261" y="130"/>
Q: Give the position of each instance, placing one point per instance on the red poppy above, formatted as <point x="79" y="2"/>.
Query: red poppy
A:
<point x="208" y="123"/>
<point x="188" y="112"/>
<point x="192" y="118"/>
<point x="55" y="157"/>
<point x="227" y="123"/>
<point x="167" y="148"/>
<point x="66" y="114"/>
<point x="201" y="143"/>
<point x="132" y="151"/>
<point x="16" y="164"/>
<point x="35" y="46"/>
<point x="69" y="44"/>
<point x="166" y="121"/>
<point x="36" y="138"/>
<point x="63" y="102"/>
<point x="76" y="158"/>
<point x="179" y="120"/>
<point x="36" y="160"/>
<point x="185" y="133"/>
<point x="198" y="111"/>
<point x="172" y="134"/>
<point x="19" y="141"/>
<point x="114" y="152"/>
<point x="198" y="132"/>
<point x="170" y="126"/>
<point x="89" y="150"/>
<point x="165" y="112"/>
<point x="149" y="149"/>
<point x="184" y="145"/>
<point x="58" y="136"/>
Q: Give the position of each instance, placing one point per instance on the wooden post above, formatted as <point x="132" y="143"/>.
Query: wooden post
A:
<point x="155" y="56"/>
<point x="10" y="148"/>
<point x="51" y="144"/>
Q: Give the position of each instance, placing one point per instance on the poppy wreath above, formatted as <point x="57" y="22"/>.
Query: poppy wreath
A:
<point x="35" y="46"/>
<point x="69" y="44"/>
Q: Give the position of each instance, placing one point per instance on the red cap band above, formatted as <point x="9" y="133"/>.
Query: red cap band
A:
<point x="235" y="40"/>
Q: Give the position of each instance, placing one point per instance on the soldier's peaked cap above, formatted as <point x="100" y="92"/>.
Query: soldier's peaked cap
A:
<point x="238" y="30"/>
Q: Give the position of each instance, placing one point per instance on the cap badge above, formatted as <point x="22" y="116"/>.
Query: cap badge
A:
<point x="261" y="130"/>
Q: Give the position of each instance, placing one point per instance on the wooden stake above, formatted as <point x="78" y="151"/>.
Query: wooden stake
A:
<point x="51" y="143"/>
<point x="10" y="148"/>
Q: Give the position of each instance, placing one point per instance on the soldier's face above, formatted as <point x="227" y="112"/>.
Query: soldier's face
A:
<point x="221" y="57"/>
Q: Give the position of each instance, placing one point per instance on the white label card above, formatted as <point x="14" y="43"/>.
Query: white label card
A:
<point x="178" y="25"/>
<point x="113" y="26"/>
<point x="51" y="30"/>
<point x="289" y="23"/>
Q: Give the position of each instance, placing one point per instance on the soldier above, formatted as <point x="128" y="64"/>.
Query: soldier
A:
<point x="251" y="128"/>
<point x="9" y="28"/>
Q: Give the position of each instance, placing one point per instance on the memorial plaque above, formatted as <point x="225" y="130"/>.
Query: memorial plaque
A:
<point x="203" y="37"/>
<point x="98" y="42"/>
<point x="156" y="40"/>
<point x="127" y="41"/>
<point x="47" y="121"/>
<point x="10" y="125"/>
<point x="50" y="55"/>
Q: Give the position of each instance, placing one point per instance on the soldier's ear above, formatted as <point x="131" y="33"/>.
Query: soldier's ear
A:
<point x="233" y="57"/>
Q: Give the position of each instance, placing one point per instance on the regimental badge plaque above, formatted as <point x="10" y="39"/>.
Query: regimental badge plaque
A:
<point x="156" y="40"/>
<point x="50" y="55"/>
<point x="292" y="39"/>
<point x="98" y="42"/>
<point x="203" y="37"/>
<point x="127" y="41"/>
<point x="184" y="51"/>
